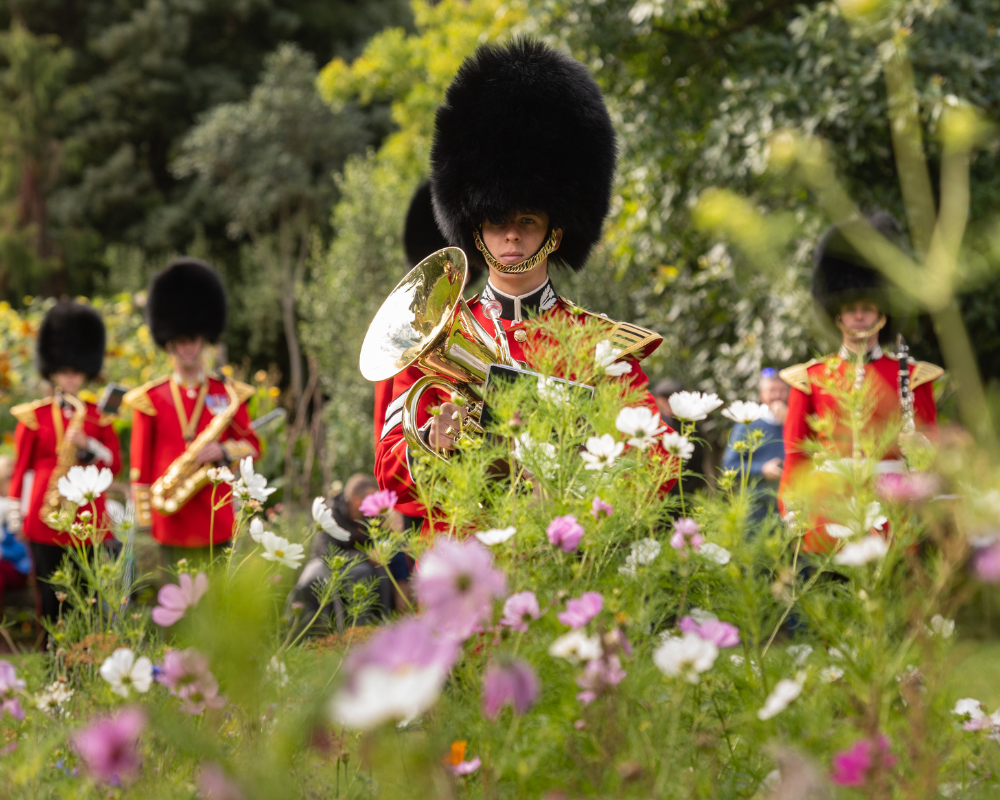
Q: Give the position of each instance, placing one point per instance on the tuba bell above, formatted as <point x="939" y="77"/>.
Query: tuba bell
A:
<point x="425" y="323"/>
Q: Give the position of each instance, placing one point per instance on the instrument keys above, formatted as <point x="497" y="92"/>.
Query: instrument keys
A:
<point x="521" y="335"/>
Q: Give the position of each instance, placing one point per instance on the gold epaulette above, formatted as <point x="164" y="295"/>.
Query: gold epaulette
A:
<point x="924" y="372"/>
<point x="632" y="340"/>
<point x="244" y="390"/>
<point x="138" y="398"/>
<point x="798" y="376"/>
<point x="25" y="413"/>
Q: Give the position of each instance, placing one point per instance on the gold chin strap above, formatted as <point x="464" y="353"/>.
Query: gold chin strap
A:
<point x="523" y="266"/>
<point x="862" y="334"/>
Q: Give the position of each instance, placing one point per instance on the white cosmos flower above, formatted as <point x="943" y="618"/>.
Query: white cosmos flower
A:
<point x="857" y="554"/>
<point x="693" y="406"/>
<point x="251" y="485"/>
<point x="606" y="358"/>
<point x="839" y="531"/>
<point x="643" y="552"/>
<point x="800" y="653"/>
<point x="323" y="517"/>
<point x="713" y="552"/>
<point x="942" y="627"/>
<point x="278" y="548"/>
<point x="641" y="424"/>
<point x="495" y="536"/>
<point x="677" y="445"/>
<point x="685" y="656"/>
<point x="257" y="529"/>
<point x="379" y="695"/>
<point x="53" y="697"/>
<point x="553" y="390"/>
<point x="277" y="671"/>
<point x="221" y="475"/>
<point x="601" y="451"/>
<point x="124" y="672"/>
<point x="576" y="646"/>
<point x="539" y="457"/>
<point x="970" y="706"/>
<point x="744" y="411"/>
<point x="783" y="693"/>
<point x="831" y="673"/>
<point x="863" y="521"/>
<point x="82" y="485"/>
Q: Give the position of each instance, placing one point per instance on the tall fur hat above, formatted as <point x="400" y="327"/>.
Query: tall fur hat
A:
<point x="523" y="127"/>
<point x="186" y="299"/>
<point x="421" y="235"/>
<point x="72" y="335"/>
<point x="842" y="275"/>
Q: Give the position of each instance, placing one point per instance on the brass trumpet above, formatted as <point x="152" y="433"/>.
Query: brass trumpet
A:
<point x="425" y="323"/>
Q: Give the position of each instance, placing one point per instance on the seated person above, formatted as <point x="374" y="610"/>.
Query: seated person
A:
<point x="769" y="458"/>
<point x="347" y="514"/>
<point x="15" y="562"/>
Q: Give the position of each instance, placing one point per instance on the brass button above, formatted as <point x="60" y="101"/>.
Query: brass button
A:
<point x="521" y="335"/>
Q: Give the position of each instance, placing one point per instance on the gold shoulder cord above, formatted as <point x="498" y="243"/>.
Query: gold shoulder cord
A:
<point x="188" y="426"/>
<point x="523" y="266"/>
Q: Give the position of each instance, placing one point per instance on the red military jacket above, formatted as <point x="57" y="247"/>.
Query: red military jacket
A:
<point x="161" y="409"/>
<point x="37" y="439"/>
<point x="810" y="398"/>
<point x="392" y="457"/>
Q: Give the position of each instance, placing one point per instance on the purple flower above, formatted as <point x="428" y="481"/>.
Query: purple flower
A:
<point x="215" y="784"/>
<point x="511" y="683"/>
<point x="987" y="563"/>
<point x="910" y="487"/>
<point x="411" y="642"/>
<point x="456" y="584"/>
<point x="686" y="532"/>
<point x="108" y="746"/>
<point x="466" y="767"/>
<point x="581" y="611"/>
<point x="378" y="503"/>
<point x="597" y="676"/>
<point x="185" y="673"/>
<point x="9" y="682"/>
<point x="600" y="509"/>
<point x="519" y="610"/>
<point x="719" y="633"/>
<point x="565" y="533"/>
<point x="176" y="600"/>
<point x="851" y="766"/>
<point x="12" y="706"/>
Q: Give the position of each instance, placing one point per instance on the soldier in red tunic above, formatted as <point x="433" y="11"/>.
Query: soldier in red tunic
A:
<point x="186" y="311"/>
<point x="70" y="352"/>
<point x="516" y="194"/>
<point x="853" y="294"/>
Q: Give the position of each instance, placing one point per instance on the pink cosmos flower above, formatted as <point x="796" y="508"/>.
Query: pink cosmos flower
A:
<point x="9" y="682"/>
<point x="215" y="784"/>
<point x="986" y="563"/>
<point x="686" y="532"/>
<point x="108" y="746"/>
<point x="565" y="533"/>
<point x="909" y="487"/>
<point x="185" y="673"/>
<point x="456" y="584"/>
<point x="597" y="676"/>
<point x="466" y="767"/>
<point x="411" y="642"/>
<point x="379" y="503"/>
<point x="719" y="633"/>
<point x="511" y="683"/>
<point x="12" y="706"/>
<point x="581" y="611"/>
<point x="176" y="600"/>
<point x="600" y="509"/>
<point x="520" y="609"/>
<point x="852" y="766"/>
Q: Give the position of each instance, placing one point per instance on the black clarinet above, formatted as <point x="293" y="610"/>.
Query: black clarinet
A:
<point x="905" y="395"/>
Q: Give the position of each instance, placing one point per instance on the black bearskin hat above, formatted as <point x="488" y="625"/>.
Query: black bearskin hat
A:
<point x="186" y="300"/>
<point x="421" y="235"/>
<point x="71" y="336"/>
<point x="523" y="127"/>
<point x="842" y="275"/>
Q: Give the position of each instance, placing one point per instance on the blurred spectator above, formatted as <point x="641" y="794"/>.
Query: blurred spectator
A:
<point x="354" y="537"/>
<point x="15" y="562"/>
<point x="696" y="464"/>
<point x="769" y="458"/>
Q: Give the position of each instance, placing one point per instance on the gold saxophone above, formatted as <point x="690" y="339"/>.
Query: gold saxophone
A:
<point x="185" y="476"/>
<point x="66" y="457"/>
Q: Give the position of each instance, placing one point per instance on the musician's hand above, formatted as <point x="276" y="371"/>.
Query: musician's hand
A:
<point x="79" y="438"/>
<point x="446" y="426"/>
<point x="771" y="470"/>
<point x="780" y="410"/>
<point x="211" y="453"/>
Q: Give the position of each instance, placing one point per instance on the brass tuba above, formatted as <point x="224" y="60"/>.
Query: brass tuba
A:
<point x="425" y="323"/>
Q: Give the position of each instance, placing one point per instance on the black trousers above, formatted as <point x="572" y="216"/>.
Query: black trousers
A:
<point x="47" y="559"/>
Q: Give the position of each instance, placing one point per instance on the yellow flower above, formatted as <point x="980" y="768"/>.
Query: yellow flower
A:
<point x="273" y="391"/>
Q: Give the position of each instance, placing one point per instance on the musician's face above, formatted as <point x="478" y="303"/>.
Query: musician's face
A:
<point x="69" y="380"/>
<point x="860" y="315"/>
<point x="518" y="238"/>
<point x="187" y="351"/>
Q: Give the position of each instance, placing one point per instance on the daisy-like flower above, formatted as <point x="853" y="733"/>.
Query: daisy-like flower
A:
<point x="257" y="529"/>
<point x="379" y="695"/>
<point x="693" y="406"/>
<point x="456" y="763"/>
<point x="540" y="457"/>
<point x="710" y="551"/>
<point x="122" y="518"/>
<point x="870" y="519"/>
<point x="323" y="517"/>
<point x="495" y="536"/>
<point x="857" y="554"/>
<point x="553" y="390"/>
<point x="643" y="552"/>
<point x="250" y="485"/>
<point x="606" y="358"/>
<point x="852" y="767"/>
<point x="108" y="747"/>
<point x="9" y="685"/>
<point x="83" y="485"/>
<point x="831" y="673"/>
<point x="175" y="600"/>
<point x="520" y="609"/>
<point x="579" y="611"/>
<point x="508" y="683"/>
<point x="576" y="646"/>
<point x="677" y="445"/>
<point x="940" y="626"/>
<point x="601" y="451"/>
<point x="378" y="503"/>
<point x="221" y="475"/>
<point x="745" y="411"/>
<point x="640" y="424"/>
<point x="687" y="532"/>
<point x="719" y="633"/>
<point x="278" y="548"/>
<point x="685" y="656"/>
<point x="565" y="533"/>
<point x="784" y="692"/>
<point x="124" y="672"/>
<point x="599" y="509"/>
<point x="53" y="697"/>
<point x="800" y="653"/>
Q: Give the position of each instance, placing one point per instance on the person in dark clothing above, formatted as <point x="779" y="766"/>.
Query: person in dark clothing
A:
<point x="347" y="535"/>
<point x="696" y="464"/>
